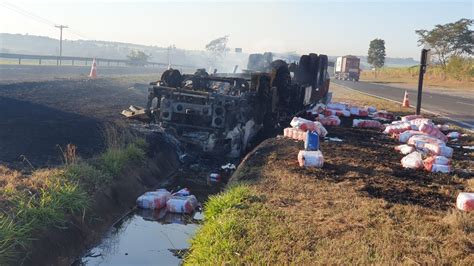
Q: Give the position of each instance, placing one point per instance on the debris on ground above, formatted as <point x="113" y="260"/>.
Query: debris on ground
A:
<point x="310" y="159"/>
<point x="412" y="161"/>
<point x="333" y="139"/>
<point x="437" y="164"/>
<point x="453" y="135"/>
<point x="405" y="149"/>
<point x="154" y="199"/>
<point x="423" y="139"/>
<point x="366" y="123"/>
<point x="179" y="202"/>
<point x="214" y="178"/>
<point x="465" y="201"/>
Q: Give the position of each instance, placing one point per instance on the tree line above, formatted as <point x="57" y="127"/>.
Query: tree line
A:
<point x="451" y="42"/>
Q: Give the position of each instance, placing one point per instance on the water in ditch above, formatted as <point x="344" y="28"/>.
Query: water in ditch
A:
<point x="145" y="237"/>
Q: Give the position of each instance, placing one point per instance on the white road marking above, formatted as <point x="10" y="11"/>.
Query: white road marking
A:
<point x="469" y="127"/>
<point x="466" y="103"/>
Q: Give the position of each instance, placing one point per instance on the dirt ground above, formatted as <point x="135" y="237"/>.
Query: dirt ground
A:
<point x="36" y="117"/>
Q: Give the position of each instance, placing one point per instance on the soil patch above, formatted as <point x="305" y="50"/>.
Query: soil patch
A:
<point x="39" y="116"/>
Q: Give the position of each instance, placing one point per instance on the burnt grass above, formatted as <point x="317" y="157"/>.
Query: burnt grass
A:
<point x="368" y="156"/>
<point x="37" y="117"/>
<point x="361" y="207"/>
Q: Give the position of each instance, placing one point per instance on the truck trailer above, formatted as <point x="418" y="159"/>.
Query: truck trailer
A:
<point x="347" y="68"/>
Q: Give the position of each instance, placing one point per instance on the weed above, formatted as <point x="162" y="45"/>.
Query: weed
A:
<point x="113" y="160"/>
<point x="87" y="175"/>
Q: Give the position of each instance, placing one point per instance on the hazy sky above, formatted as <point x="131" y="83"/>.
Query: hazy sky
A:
<point x="330" y="27"/>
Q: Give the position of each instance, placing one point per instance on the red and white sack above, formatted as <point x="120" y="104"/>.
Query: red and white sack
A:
<point x="405" y="149"/>
<point x="419" y="141"/>
<point x="294" y="133"/>
<point x="182" y="204"/>
<point x="437" y="164"/>
<point x="443" y="127"/>
<point x="397" y="128"/>
<point x="410" y="117"/>
<point x="182" y="192"/>
<point x="441" y="150"/>
<point x="412" y="161"/>
<point x="331" y="120"/>
<point x="371" y="109"/>
<point x="307" y="125"/>
<point x="359" y="111"/>
<point x="318" y="108"/>
<point x="153" y="199"/>
<point x="417" y="122"/>
<point x="310" y="159"/>
<point x="432" y="130"/>
<point x="441" y="168"/>
<point x="405" y="136"/>
<point x="366" y="123"/>
<point x="337" y="106"/>
<point x="329" y="112"/>
<point x="383" y="115"/>
<point x="465" y="201"/>
<point x="215" y="178"/>
<point x="453" y="135"/>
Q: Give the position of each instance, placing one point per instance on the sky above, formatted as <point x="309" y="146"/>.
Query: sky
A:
<point x="327" y="27"/>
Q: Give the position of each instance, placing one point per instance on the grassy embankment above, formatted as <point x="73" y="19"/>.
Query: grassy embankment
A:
<point x="33" y="202"/>
<point x="459" y="74"/>
<point x="358" y="209"/>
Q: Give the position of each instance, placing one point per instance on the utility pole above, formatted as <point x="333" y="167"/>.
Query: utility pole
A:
<point x="423" y="64"/>
<point x="61" y="27"/>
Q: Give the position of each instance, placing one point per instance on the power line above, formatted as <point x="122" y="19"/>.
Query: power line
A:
<point x="35" y="17"/>
<point x="27" y="14"/>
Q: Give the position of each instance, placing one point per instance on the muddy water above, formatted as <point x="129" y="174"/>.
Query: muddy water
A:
<point x="145" y="237"/>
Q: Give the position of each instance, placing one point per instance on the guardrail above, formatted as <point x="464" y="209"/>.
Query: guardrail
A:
<point x="76" y="59"/>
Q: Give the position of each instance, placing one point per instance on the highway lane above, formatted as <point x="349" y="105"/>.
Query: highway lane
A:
<point x="16" y="73"/>
<point x="459" y="109"/>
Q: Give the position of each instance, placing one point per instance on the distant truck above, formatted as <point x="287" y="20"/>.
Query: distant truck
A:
<point x="347" y="68"/>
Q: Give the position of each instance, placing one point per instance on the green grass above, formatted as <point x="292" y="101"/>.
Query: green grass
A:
<point x="114" y="160"/>
<point x="48" y="196"/>
<point x="230" y="222"/>
<point x="30" y="210"/>
<point x="88" y="176"/>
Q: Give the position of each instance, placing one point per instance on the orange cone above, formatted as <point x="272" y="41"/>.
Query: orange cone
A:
<point x="406" y="101"/>
<point x="93" y="73"/>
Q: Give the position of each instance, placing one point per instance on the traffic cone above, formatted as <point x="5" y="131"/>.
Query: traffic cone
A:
<point x="93" y="73"/>
<point x="406" y="101"/>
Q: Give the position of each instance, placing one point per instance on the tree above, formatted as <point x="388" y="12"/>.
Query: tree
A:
<point x="451" y="39"/>
<point x="138" y="58"/>
<point x="217" y="48"/>
<point x="376" y="55"/>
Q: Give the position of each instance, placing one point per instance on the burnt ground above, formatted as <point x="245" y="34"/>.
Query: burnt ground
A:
<point x="362" y="207"/>
<point x="36" y="117"/>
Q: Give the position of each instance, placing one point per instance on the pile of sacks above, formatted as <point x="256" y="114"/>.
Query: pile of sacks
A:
<point x="178" y="202"/>
<point x="330" y="115"/>
<point x="309" y="132"/>
<point x="422" y="139"/>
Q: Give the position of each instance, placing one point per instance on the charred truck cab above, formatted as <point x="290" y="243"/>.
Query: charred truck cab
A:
<point x="222" y="114"/>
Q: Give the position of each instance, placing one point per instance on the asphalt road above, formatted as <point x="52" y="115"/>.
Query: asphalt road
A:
<point x="459" y="109"/>
<point x="15" y="73"/>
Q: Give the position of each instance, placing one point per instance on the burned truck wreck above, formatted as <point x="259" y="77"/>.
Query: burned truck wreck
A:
<point x="222" y="113"/>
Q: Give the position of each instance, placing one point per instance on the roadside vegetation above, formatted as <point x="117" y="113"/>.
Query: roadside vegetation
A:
<point x="452" y="66"/>
<point x="44" y="198"/>
<point x="361" y="208"/>
<point x="459" y="73"/>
